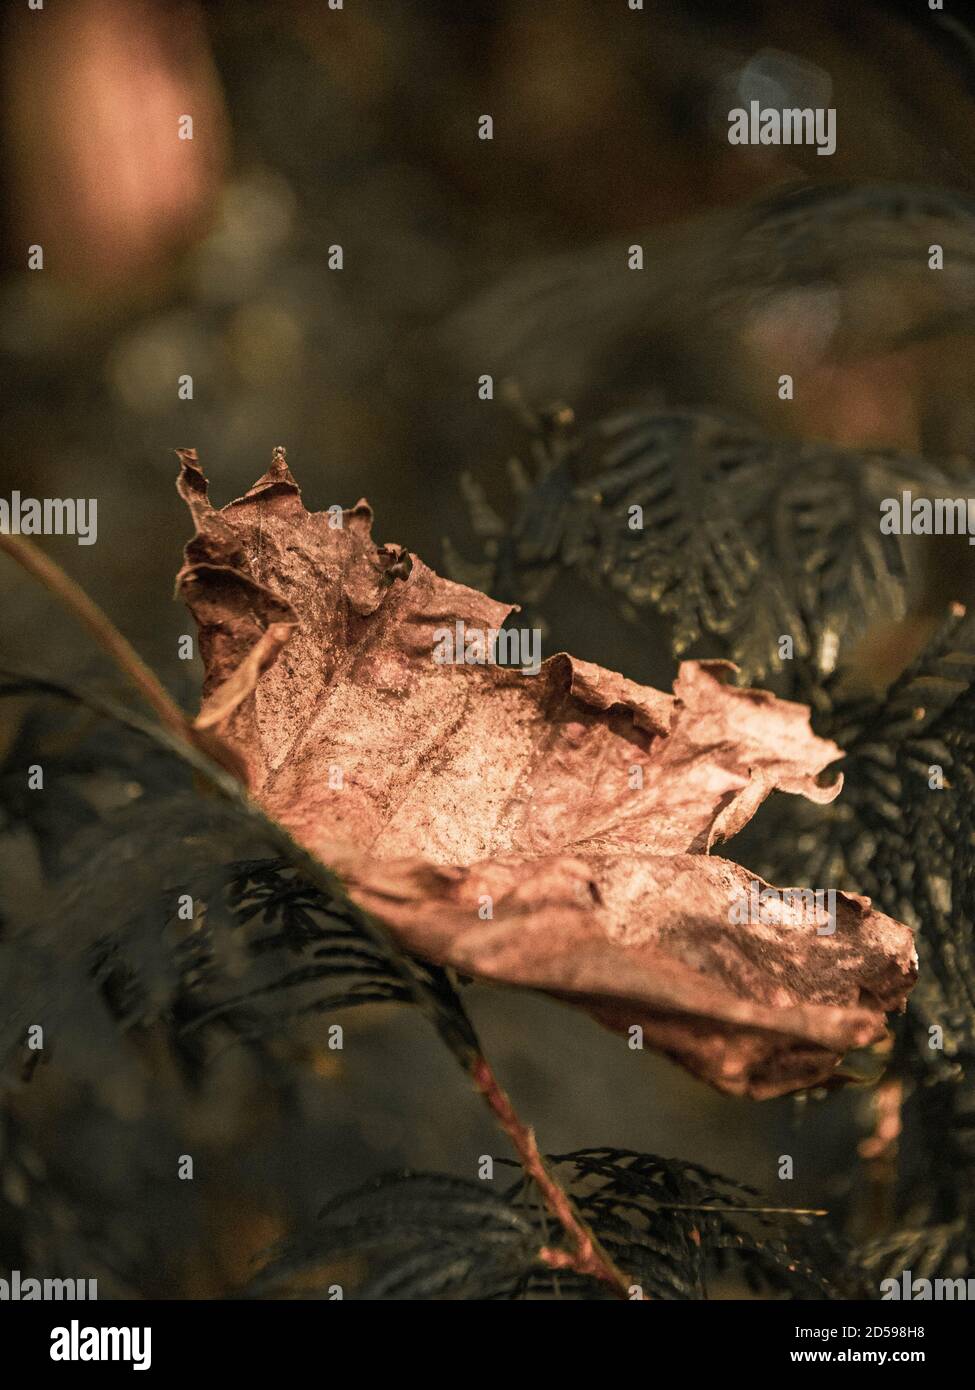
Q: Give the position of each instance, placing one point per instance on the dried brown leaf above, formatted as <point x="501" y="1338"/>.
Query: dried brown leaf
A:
<point x="464" y="785"/>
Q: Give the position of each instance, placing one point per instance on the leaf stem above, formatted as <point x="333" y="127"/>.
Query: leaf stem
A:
<point x="72" y="597"/>
<point x="586" y="1256"/>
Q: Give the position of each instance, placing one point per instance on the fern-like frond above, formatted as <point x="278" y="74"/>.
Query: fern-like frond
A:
<point x="175" y="909"/>
<point x="738" y="538"/>
<point x="672" y="1227"/>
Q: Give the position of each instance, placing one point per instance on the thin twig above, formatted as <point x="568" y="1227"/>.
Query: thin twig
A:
<point x="738" y="1211"/>
<point x="100" y="626"/>
<point x="879" y="1150"/>
<point x="586" y="1255"/>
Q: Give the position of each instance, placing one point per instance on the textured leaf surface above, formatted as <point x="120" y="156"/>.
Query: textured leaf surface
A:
<point x="581" y="806"/>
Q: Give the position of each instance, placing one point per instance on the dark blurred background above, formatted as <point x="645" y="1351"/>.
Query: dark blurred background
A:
<point x="314" y="128"/>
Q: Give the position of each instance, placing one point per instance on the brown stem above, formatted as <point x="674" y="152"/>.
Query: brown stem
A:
<point x="120" y="650"/>
<point x="880" y="1149"/>
<point x="586" y="1256"/>
<point x="104" y="631"/>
